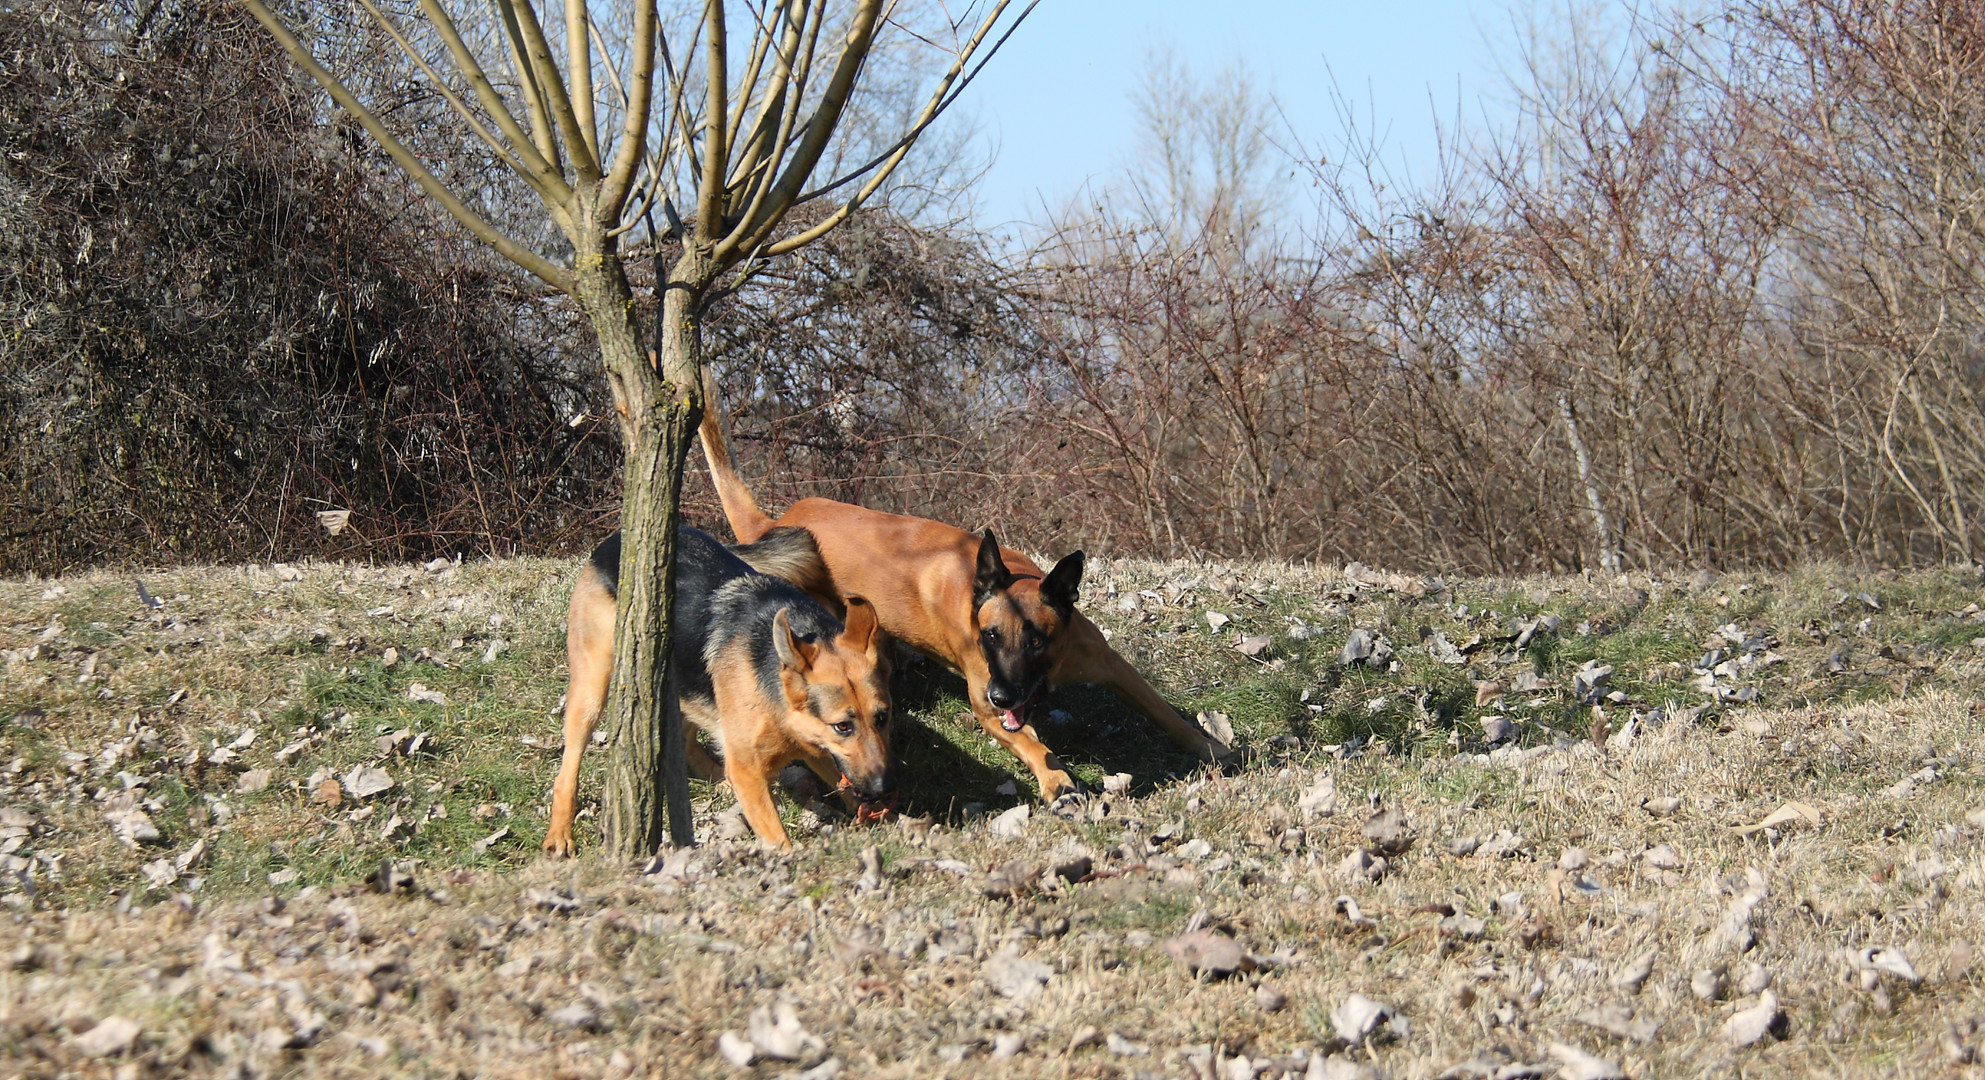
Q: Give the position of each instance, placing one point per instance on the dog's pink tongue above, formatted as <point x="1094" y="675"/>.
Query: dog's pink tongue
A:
<point x="1010" y="720"/>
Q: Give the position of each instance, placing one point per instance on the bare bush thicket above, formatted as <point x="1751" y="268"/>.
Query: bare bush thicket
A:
<point x="1715" y="300"/>
<point x="221" y="314"/>
<point x="227" y="312"/>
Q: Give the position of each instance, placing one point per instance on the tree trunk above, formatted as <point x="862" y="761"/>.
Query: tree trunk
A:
<point x="646" y="766"/>
<point x="1609" y="555"/>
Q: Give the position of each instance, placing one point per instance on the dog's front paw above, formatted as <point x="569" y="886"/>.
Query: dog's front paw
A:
<point x="1055" y="783"/>
<point x="1069" y="805"/>
<point x="558" y="843"/>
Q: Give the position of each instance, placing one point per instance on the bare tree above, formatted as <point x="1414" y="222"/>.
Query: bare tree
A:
<point x="607" y="120"/>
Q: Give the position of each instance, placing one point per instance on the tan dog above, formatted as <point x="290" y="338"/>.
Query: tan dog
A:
<point x="985" y="611"/>
<point x="761" y="667"/>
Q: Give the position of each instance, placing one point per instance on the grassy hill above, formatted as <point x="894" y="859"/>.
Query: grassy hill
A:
<point x="171" y="854"/>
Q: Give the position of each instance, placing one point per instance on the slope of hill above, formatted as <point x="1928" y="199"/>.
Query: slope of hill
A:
<point x="286" y="820"/>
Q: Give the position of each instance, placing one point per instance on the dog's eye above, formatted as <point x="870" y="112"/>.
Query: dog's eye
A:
<point x="844" y="729"/>
<point x="992" y="634"/>
<point x="882" y="719"/>
<point x="1035" y="642"/>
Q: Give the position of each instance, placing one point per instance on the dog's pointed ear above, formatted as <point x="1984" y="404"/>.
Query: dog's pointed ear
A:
<point x="794" y="655"/>
<point x="860" y="634"/>
<point x="992" y="574"/>
<point x="1061" y="587"/>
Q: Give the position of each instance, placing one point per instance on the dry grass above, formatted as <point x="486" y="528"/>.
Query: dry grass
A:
<point x="476" y="966"/>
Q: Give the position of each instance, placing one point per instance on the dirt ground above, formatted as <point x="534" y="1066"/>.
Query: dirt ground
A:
<point x="1439" y="861"/>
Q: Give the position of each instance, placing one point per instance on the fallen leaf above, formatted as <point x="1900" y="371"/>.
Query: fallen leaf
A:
<point x="1388" y="832"/>
<point x="1579" y="1065"/>
<point x="1358" y="1017"/>
<point x="1123" y="1047"/>
<point x="364" y="781"/>
<point x="133" y="827"/>
<point x="1889" y="961"/>
<point x="329" y="793"/>
<point x="334" y="521"/>
<point x="1359" y="865"/>
<point x="1618" y="1019"/>
<point x="575" y="1016"/>
<point x="1086" y="1035"/>
<point x="1709" y="983"/>
<point x="483" y="845"/>
<point x="1784" y="815"/>
<point x="1633" y="976"/>
<point x="736" y="1049"/>
<point x="1209" y="953"/>
<point x="777" y="1033"/>
<point x="1011" y="823"/>
<point x="1013" y="879"/>
<point x="252" y="780"/>
<point x="1016" y="977"/>
<point x="111" y="1035"/>
<point x="1662" y="806"/>
<point x="1746" y="1027"/>
<point x="1504" y="843"/>
<point x="1321" y="798"/>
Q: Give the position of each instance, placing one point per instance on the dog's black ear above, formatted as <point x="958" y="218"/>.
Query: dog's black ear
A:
<point x="992" y="574"/>
<point x="1061" y="586"/>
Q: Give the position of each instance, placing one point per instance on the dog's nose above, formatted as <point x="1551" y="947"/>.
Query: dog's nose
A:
<point x="883" y="785"/>
<point x="1001" y="695"/>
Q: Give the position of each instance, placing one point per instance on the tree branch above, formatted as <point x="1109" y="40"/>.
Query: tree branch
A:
<point x="819" y="129"/>
<point x="461" y="108"/>
<point x="542" y="135"/>
<point x="930" y="114"/>
<point x="710" y="189"/>
<point x="579" y="59"/>
<point x="405" y="158"/>
<point x="639" y="105"/>
<point x="538" y="53"/>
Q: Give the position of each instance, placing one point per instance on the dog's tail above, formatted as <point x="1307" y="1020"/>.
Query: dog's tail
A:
<point x="789" y="552"/>
<point x="748" y="522"/>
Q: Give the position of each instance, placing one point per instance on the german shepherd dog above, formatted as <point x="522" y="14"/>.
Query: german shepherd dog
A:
<point x="984" y="610"/>
<point x="761" y="667"/>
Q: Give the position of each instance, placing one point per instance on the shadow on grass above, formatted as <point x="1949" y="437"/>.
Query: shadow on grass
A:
<point x="949" y="761"/>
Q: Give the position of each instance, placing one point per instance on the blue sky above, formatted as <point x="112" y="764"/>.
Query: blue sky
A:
<point x="1057" y="101"/>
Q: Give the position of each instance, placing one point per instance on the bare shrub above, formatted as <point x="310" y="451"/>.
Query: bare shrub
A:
<point x="222" y="314"/>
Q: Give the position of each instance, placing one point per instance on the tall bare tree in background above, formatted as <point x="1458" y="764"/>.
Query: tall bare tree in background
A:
<point x="607" y="118"/>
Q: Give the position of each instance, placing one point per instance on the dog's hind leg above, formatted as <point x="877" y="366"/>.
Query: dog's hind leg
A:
<point x="589" y="650"/>
<point x="1091" y="660"/>
<point x="701" y="765"/>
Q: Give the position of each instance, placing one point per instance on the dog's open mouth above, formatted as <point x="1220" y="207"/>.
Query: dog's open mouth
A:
<point x="1016" y="718"/>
